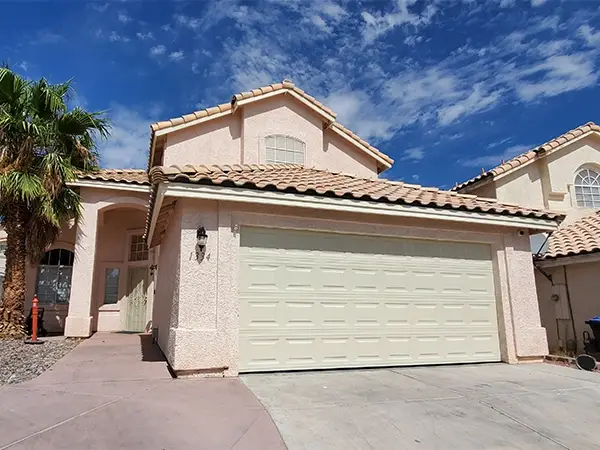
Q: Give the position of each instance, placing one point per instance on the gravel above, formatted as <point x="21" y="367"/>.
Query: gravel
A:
<point x="21" y="362"/>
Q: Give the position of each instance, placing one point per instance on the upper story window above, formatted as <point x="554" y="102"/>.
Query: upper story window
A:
<point x="283" y="149"/>
<point x="587" y="188"/>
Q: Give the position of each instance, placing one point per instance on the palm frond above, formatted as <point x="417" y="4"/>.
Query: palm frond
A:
<point x="21" y="186"/>
<point x="12" y="87"/>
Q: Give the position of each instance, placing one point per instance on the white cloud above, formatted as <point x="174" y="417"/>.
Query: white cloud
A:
<point x="496" y="158"/>
<point x="176" y="56"/>
<point x="127" y="146"/>
<point x="158" y="50"/>
<point x="331" y="10"/>
<point x="413" y="154"/>
<point x="497" y="143"/>
<point x="188" y="21"/>
<point x="47" y="37"/>
<point x="376" y="95"/>
<point x="123" y="17"/>
<point x="145" y="36"/>
<point x="23" y="65"/>
<point x="535" y="3"/>
<point x="591" y="37"/>
<point x="100" y="7"/>
<point x="375" y="25"/>
<point x="357" y="110"/>
<point x="416" y="177"/>
<point x="320" y="23"/>
<point x="116" y="37"/>
<point x="507" y="3"/>
<point x="477" y="100"/>
<point x="558" y="74"/>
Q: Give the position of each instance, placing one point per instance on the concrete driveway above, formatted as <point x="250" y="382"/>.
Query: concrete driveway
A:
<point x="113" y="392"/>
<point x="456" y="407"/>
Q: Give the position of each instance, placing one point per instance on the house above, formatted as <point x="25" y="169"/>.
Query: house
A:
<point x="273" y="244"/>
<point x="562" y="175"/>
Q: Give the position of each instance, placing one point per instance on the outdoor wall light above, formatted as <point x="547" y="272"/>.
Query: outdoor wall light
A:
<point x="201" y="239"/>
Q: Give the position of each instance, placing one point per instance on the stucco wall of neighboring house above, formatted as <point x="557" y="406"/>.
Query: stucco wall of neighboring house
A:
<point x="240" y="138"/>
<point x="583" y="285"/>
<point x="487" y="191"/>
<point x="217" y="141"/>
<point x="206" y="335"/>
<point x="523" y="187"/>
<point x="548" y="182"/>
<point x="166" y="301"/>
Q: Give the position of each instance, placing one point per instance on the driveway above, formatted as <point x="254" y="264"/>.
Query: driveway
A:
<point x="495" y="406"/>
<point x="113" y="391"/>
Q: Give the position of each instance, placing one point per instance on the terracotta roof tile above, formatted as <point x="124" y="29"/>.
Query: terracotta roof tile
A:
<point x="131" y="176"/>
<point x="580" y="237"/>
<point x="285" y="85"/>
<point x="531" y="154"/>
<point x="295" y="178"/>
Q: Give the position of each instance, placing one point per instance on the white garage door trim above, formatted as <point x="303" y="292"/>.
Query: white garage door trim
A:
<point x="312" y="300"/>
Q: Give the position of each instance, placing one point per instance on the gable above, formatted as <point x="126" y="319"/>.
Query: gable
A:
<point x="515" y="164"/>
<point x="243" y="101"/>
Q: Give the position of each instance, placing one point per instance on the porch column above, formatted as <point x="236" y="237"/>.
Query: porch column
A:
<point x="529" y="335"/>
<point x="79" y="320"/>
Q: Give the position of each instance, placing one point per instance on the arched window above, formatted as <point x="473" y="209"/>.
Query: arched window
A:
<point x="587" y="188"/>
<point x="54" y="277"/>
<point x="282" y="149"/>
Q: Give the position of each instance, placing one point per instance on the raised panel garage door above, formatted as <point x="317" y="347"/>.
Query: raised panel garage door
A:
<point x="325" y="300"/>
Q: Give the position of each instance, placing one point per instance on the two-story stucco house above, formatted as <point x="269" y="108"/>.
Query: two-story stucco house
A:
<point x="262" y="238"/>
<point x="562" y="175"/>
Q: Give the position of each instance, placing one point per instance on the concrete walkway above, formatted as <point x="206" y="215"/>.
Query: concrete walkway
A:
<point x="114" y="392"/>
<point x="499" y="406"/>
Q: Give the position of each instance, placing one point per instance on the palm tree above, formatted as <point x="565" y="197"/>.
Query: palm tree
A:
<point x="43" y="145"/>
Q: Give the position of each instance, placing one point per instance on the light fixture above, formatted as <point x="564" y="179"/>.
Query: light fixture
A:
<point x="201" y="239"/>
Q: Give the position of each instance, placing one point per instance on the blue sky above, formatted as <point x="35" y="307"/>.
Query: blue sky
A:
<point x="445" y="88"/>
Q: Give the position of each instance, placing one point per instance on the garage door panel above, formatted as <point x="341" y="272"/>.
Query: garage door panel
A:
<point x="387" y="312"/>
<point x="312" y="300"/>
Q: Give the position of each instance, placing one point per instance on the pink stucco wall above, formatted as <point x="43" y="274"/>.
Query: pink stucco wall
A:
<point x="83" y="314"/>
<point x="215" y="142"/>
<point x="166" y="301"/>
<point x="206" y="334"/>
<point x="583" y="286"/>
<point x="240" y="138"/>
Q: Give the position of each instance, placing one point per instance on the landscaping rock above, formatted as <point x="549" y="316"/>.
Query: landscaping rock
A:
<point x="21" y="362"/>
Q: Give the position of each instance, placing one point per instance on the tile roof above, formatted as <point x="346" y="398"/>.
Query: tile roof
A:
<point x="285" y="85"/>
<point x="131" y="176"/>
<point x="295" y="178"/>
<point x="531" y="154"/>
<point x="580" y="237"/>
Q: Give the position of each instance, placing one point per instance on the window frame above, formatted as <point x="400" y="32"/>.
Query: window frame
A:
<point x="587" y="193"/>
<point x="57" y="276"/>
<point x="130" y="235"/>
<point x="274" y="152"/>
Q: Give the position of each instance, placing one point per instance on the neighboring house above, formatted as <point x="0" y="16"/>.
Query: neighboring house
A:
<point x="273" y="245"/>
<point x="561" y="175"/>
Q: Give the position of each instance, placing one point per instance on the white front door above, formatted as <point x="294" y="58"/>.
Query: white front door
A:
<point x="324" y="300"/>
<point x="137" y="298"/>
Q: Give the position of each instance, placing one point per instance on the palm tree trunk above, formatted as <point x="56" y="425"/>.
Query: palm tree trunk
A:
<point x="12" y="307"/>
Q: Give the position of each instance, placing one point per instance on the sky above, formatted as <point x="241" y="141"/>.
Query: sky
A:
<point x="445" y="88"/>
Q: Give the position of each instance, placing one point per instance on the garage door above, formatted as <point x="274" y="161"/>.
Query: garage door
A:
<point x="324" y="300"/>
